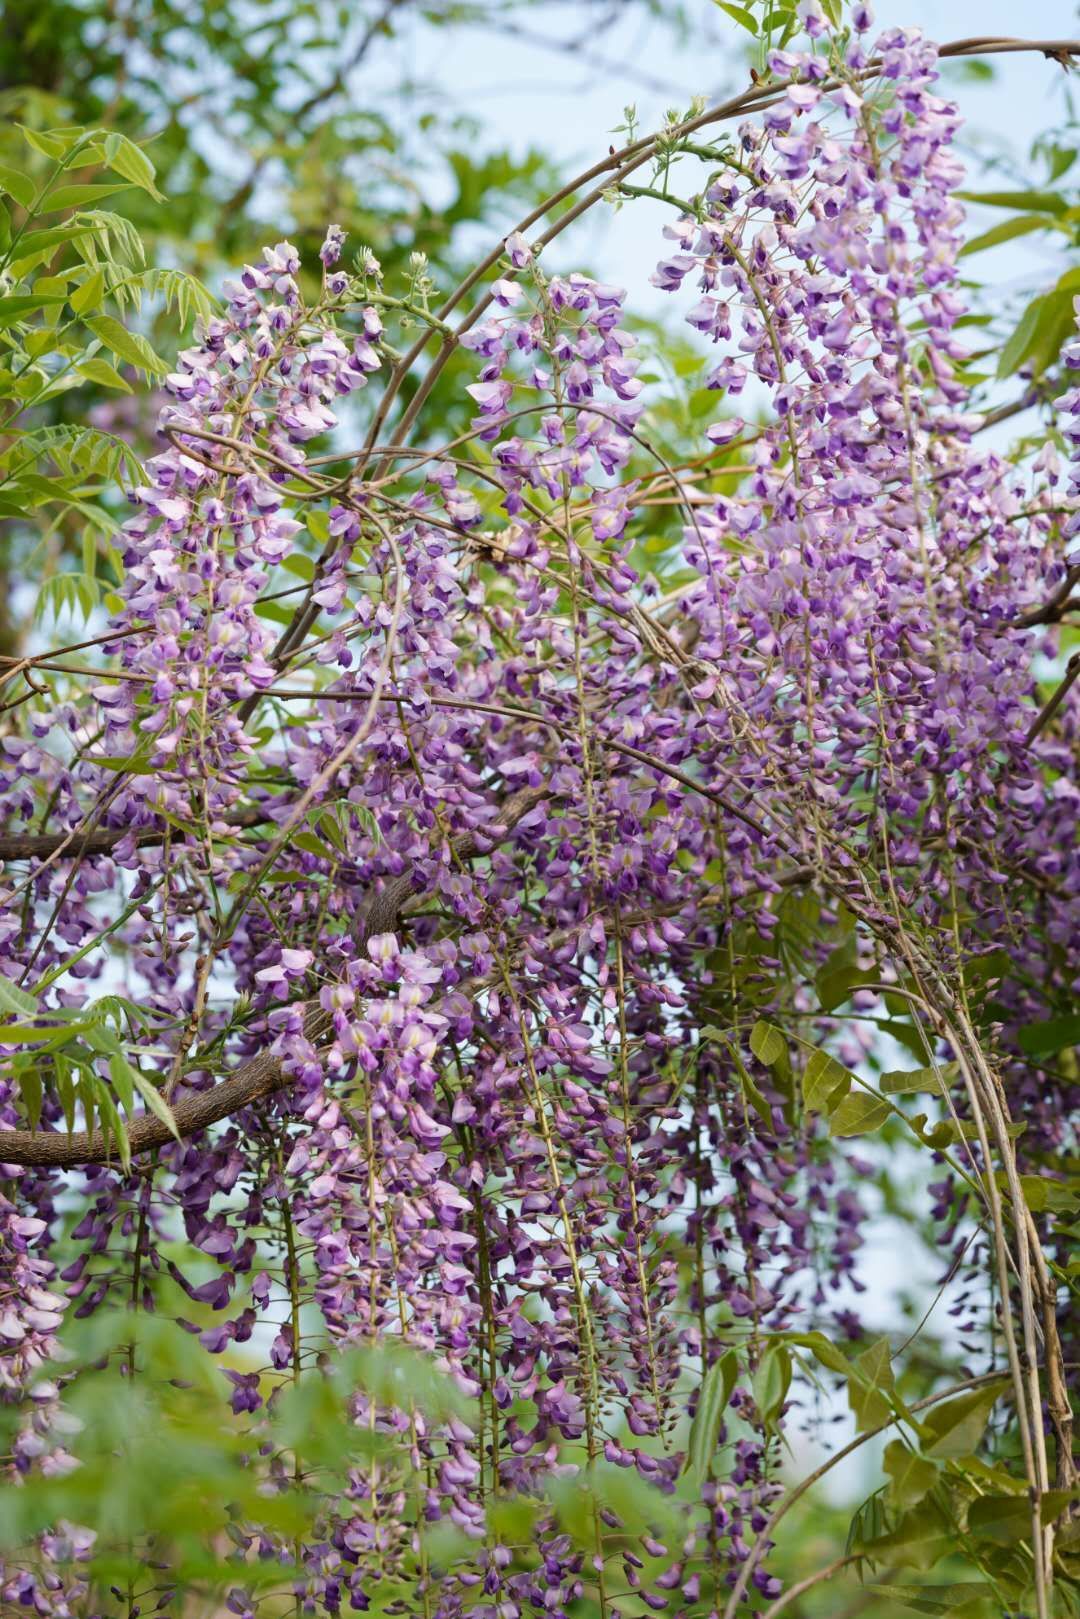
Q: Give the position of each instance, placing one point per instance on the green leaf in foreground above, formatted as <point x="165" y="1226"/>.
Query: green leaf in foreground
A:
<point x="871" y="1386"/>
<point x="825" y="1082"/>
<point x="858" y="1114"/>
<point x="934" y="1599"/>
<point x="767" y="1043"/>
<point x="15" y="999"/>
<point x="955" y="1427"/>
<point x="911" y="1476"/>
<point x="715" y="1393"/>
<point x="130" y="347"/>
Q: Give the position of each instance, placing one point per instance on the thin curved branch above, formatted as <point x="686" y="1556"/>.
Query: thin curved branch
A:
<point x="801" y="1587"/>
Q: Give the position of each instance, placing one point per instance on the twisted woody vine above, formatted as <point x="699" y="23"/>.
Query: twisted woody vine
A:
<point x="485" y="917"/>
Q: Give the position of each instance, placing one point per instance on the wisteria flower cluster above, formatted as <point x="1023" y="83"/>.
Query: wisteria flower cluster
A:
<point x="495" y="931"/>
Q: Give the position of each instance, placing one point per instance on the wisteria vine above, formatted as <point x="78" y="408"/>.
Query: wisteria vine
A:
<point x="493" y="938"/>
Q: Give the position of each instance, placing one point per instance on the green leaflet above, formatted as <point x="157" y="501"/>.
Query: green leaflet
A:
<point x="155" y="1102"/>
<point x="823" y="1350"/>
<point x="767" y="1043"/>
<point x="16" y="306"/>
<point x="897" y="1082"/>
<point x="31" y="1088"/>
<point x="127" y="346"/>
<point x="129" y="160"/>
<point x="15" y="999"/>
<point x="1047" y="202"/>
<point x="871" y="1386"/>
<point x="716" y="1388"/>
<point x="933" y="1599"/>
<point x="1043" y="327"/>
<point x="105" y="375"/>
<point x="825" y="1082"/>
<point x="771" y="1382"/>
<point x="858" y="1114"/>
<point x="911" y="1475"/>
<point x="78" y="196"/>
<point x="42" y="241"/>
<point x="1022" y="225"/>
<point x="1042" y="1192"/>
<point x="1046" y="1039"/>
<point x="126" y="1078"/>
<point x="1008" y="1518"/>
<point x="111" y="1123"/>
<point x="955" y="1427"/>
<point x="89" y="294"/>
<point x="19" y="186"/>
<point x="739" y="14"/>
<point x="918" y="1540"/>
<point x="840" y="975"/>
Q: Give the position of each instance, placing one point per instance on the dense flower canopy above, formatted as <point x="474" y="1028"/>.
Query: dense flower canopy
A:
<point x="491" y="926"/>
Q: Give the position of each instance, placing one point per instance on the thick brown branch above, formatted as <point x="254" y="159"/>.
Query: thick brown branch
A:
<point x="1059" y="604"/>
<point x="40" y="845"/>
<point x="263" y="1074"/>
<point x="1054" y="702"/>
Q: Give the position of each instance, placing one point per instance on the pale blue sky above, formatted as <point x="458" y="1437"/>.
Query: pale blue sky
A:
<point x="568" y="104"/>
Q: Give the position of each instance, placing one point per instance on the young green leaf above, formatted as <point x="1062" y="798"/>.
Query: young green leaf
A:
<point x="90" y="294"/>
<point x="871" y="1386"/>
<point x="130" y="347"/>
<point x="1046" y="1039"/>
<point x="1007" y="231"/>
<point x="1046" y="202"/>
<point x="16" y="306"/>
<point x="31" y="1089"/>
<point x="100" y="371"/>
<point x="155" y="1102"/>
<point x="13" y="998"/>
<point x="79" y="196"/>
<point x="749" y="1088"/>
<point x="112" y="1124"/>
<point x="43" y="241"/>
<point x="822" y="1349"/>
<point x="911" y="1475"/>
<point x="771" y="1382"/>
<point x="935" y="1599"/>
<point x="955" y="1427"/>
<point x="129" y="160"/>
<point x="767" y="1043"/>
<point x="898" y="1081"/>
<point x="858" y="1114"/>
<point x="840" y="975"/>
<point x="714" y="1395"/>
<point x="1004" y="1518"/>
<point x="739" y="14"/>
<point x="920" y="1539"/>
<point x="56" y="143"/>
<point x="1043" y="328"/>
<point x="311" y="845"/>
<point x="19" y="186"/>
<point x="825" y="1082"/>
